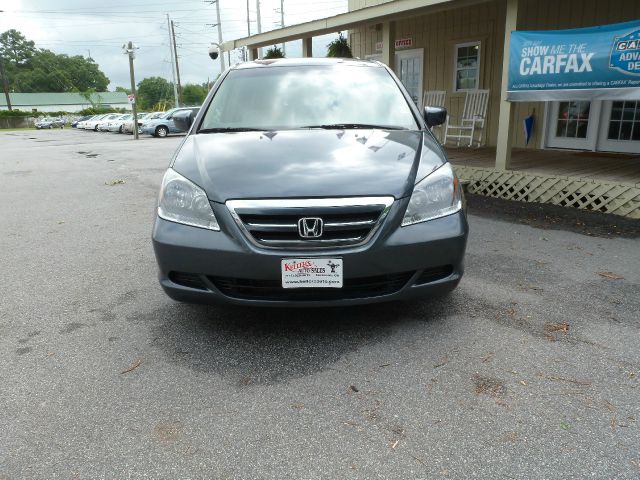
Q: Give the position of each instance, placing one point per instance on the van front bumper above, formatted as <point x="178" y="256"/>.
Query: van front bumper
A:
<point x="204" y="266"/>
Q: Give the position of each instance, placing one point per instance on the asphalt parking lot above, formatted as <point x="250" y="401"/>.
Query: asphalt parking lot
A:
<point x="530" y="369"/>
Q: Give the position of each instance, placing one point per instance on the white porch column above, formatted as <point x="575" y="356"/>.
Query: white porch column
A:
<point x="388" y="44"/>
<point x="505" y="120"/>
<point x="253" y="53"/>
<point x="307" y="47"/>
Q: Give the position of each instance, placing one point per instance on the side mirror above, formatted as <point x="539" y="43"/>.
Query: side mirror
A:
<point x="183" y="120"/>
<point x="435" y="115"/>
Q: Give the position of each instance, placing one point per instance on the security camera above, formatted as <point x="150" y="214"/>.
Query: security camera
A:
<point x="214" y="51"/>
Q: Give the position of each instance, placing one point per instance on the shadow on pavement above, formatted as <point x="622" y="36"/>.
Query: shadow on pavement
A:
<point x="251" y="346"/>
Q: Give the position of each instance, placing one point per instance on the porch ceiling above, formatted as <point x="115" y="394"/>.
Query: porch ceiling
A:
<point x="396" y="10"/>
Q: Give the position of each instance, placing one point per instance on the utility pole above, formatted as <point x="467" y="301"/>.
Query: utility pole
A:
<point x="173" y="68"/>
<point x="175" y="54"/>
<point x="222" y="65"/>
<point x="259" y="25"/>
<point x="244" y="50"/>
<point x="5" y="84"/>
<point x="282" y="24"/>
<point x="248" y="21"/>
<point x="131" y="52"/>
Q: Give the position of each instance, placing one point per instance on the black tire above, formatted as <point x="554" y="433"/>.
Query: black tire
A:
<point x="95" y="129"/>
<point x="162" y="131"/>
<point x="120" y="129"/>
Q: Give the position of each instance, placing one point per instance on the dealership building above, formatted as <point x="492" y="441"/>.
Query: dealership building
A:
<point x="551" y="88"/>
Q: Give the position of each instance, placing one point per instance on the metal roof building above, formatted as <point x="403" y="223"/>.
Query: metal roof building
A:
<point x="63" y="102"/>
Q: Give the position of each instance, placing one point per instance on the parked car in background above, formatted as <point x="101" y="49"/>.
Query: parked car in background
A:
<point x="104" y="123"/>
<point x="75" y="123"/>
<point x="92" y="123"/>
<point x="164" y="125"/>
<point x="127" y="127"/>
<point x="81" y="125"/>
<point x="50" y="122"/>
<point x="116" y="125"/>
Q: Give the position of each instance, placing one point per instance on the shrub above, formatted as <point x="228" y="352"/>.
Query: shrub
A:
<point x="273" y="52"/>
<point x="339" y="48"/>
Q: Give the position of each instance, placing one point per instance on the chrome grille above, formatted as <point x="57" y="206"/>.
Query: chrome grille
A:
<point x="347" y="222"/>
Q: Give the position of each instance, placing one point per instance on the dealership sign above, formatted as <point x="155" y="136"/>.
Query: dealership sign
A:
<point x="583" y="63"/>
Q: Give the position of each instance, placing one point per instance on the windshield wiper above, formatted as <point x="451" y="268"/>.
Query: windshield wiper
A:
<point x="344" y="126"/>
<point x="229" y="129"/>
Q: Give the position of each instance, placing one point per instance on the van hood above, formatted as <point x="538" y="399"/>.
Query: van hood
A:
<point x="307" y="163"/>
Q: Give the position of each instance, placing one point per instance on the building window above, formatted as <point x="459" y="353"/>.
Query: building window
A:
<point x="467" y="66"/>
<point x="573" y="119"/>
<point x="625" y="121"/>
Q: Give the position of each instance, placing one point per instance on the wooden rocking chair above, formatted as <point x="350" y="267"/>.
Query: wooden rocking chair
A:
<point x="474" y="115"/>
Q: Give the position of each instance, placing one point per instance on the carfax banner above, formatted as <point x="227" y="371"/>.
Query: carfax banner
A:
<point x="578" y="64"/>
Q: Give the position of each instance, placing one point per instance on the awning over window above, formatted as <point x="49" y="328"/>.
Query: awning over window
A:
<point x="595" y="63"/>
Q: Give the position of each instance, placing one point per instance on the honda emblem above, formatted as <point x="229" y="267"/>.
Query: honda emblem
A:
<point x="310" y="227"/>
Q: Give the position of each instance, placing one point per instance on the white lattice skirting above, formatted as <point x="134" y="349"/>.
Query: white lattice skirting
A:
<point x="585" y="194"/>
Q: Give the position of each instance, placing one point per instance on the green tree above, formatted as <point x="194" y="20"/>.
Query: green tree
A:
<point x="193" y="94"/>
<point x="123" y="89"/>
<point x="42" y="75"/>
<point x="15" y="53"/>
<point x="339" y="48"/>
<point x="39" y="70"/>
<point x="15" y="49"/>
<point x="154" y="90"/>
<point x="273" y="52"/>
<point x="84" y="73"/>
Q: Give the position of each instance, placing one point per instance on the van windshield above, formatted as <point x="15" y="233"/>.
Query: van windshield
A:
<point x="316" y="96"/>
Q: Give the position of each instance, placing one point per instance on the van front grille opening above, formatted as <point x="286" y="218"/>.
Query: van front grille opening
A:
<point x="339" y="222"/>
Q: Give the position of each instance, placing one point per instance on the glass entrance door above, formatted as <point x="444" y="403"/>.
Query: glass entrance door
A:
<point x="620" y="129"/>
<point x="409" y="70"/>
<point x="571" y="125"/>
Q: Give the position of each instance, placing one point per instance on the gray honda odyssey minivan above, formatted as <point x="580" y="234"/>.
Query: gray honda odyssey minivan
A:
<point x="309" y="182"/>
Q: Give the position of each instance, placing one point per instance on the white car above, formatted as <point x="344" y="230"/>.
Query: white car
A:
<point x="103" y="124"/>
<point x="117" y="124"/>
<point x="92" y="124"/>
<point x="142" y="118"/>
<point x="82" y="125"/>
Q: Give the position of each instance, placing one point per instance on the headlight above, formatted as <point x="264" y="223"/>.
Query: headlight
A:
<point x="182" y="201"/>
<point x="437" y="195"/>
